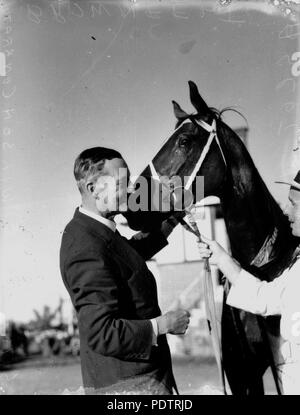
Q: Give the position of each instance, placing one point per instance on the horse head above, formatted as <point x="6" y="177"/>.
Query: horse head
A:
<point x="203" y="146"/>
<point x="175" y="163"/>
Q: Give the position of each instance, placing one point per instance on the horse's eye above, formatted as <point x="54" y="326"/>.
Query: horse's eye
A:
<point x="183" y="142"/>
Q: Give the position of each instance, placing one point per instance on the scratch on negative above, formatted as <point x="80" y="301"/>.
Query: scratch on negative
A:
<point x="92" y="66"/>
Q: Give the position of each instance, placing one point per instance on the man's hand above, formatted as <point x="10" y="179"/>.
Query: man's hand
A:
<point x="212" y="250"/>
<point x="173" y="322"/>
<point x="140" y="235"/>
<point x="169" y="224"/>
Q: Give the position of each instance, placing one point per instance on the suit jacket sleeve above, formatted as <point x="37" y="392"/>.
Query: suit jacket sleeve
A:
<point x="149" y="244"/>
<point x="256" y="296"/>
<point x="91" y="279"/>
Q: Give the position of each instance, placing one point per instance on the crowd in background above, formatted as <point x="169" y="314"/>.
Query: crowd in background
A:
<point x="47" y="335"/>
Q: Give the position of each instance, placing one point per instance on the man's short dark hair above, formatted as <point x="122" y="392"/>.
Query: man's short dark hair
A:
<point x="90" y="162"/>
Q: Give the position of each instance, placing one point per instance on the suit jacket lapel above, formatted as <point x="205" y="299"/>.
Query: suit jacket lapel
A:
<point x="118" y="245"/>
<point x="94" y="226"/>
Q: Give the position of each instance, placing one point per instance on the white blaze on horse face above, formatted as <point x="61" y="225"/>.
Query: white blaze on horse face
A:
<point x="293" y="211"/>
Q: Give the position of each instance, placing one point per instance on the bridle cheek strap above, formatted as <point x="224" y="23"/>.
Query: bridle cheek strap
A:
<point x="154" y="173"/>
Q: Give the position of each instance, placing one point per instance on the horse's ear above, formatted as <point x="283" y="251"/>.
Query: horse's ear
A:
<point x="178" y="111"/>
<point x="196" y="99"/>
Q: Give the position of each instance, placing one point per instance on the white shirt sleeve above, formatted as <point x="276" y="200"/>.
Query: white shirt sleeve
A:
<point x="155" y="331"/>
<point x="255" y="296"/>
<point x="290" y="319"/>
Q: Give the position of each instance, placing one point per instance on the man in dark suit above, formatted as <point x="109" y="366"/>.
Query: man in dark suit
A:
<point x="123" y="343"/>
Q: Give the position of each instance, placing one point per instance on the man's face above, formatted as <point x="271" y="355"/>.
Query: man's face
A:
<point x="293" y="211"/>
<point x="111" y="187"/>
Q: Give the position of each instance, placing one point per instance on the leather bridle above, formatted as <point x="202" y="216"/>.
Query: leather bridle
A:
<point x="212" y="136"/>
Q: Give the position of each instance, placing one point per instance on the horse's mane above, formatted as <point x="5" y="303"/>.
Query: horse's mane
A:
<point x="286" y="242"/>
<point x="218" y="113"/>
<point x="229" y="134"/>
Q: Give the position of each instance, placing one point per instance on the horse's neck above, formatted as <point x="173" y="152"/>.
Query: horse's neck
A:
<point x="249" y="220"/>
<point x="256" y="226"/>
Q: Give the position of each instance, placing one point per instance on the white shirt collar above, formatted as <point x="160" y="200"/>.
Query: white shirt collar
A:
<point x="107" y="222"/>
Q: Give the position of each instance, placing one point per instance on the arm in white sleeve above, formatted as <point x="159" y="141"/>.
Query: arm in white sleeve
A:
<point x="290" y="319"/>
<point x="258" y="297"/>
<point x="155" y="331"/>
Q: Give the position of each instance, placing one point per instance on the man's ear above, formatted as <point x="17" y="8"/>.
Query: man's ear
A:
<point x="90" y="187"/>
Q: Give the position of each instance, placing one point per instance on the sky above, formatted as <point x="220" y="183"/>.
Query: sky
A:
<point x="91" y="73"/>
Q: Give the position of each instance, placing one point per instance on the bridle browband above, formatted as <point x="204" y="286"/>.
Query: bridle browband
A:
<point x="212" y="136"/>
